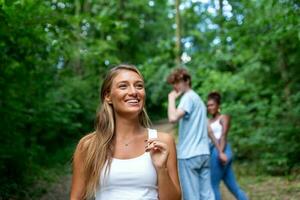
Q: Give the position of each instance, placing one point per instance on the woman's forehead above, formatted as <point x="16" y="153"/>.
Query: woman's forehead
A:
<point x="211" y="101"/>
<point x="127" y="75"/>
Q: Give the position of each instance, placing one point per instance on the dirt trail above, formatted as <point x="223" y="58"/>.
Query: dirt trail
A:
<point x="59" y="190"/>
<point x="164" y="126"/>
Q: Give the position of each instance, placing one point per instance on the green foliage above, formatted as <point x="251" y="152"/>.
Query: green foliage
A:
<point x="54" y="54"/>
<point x="250" y="56"/>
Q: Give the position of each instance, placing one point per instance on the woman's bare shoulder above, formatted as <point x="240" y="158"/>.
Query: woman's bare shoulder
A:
<point x="166" y="137"/>
<point x="225" y="116"/>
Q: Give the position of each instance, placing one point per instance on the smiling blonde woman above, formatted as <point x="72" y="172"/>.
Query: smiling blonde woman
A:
<point x="123" y="158"/>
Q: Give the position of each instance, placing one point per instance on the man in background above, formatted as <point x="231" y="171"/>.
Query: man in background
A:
<point x="193" y="148"/>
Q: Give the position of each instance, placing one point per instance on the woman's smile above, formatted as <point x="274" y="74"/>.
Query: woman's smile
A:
<point x="133" y="102"/>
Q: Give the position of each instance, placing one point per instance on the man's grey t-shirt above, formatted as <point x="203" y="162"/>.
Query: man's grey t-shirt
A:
<point x="193" y="137"/>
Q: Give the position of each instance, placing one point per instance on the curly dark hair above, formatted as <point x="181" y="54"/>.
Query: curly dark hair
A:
<point x="215" y="96"/>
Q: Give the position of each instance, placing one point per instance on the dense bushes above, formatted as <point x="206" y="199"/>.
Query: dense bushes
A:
<point x="53" y="54"/>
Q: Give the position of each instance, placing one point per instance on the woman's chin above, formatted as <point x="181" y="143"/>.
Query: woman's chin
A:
<point x="131" y="111"/>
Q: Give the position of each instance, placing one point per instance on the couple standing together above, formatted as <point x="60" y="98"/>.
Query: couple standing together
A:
<point x="123" y="159"/>
<point x="203" y="163"/>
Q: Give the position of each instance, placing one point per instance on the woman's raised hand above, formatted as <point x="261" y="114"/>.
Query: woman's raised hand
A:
<point x="159" y="152"/>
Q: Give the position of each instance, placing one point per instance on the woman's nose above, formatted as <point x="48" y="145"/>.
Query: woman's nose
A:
<point x="132" y="90"/>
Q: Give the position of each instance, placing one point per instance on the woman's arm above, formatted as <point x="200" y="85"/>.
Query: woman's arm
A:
<point x="78" y="179"/>
<point x="213" y="138"/>
<point x="167" y="172"/>
<point x="222" y="155"/>
<point x="225" y="122"/>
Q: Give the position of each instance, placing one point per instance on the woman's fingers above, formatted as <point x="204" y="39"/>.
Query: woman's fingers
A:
<point x="159" y="152"/>
<point x="223" y="158"/>
<point x="155" y="144"/>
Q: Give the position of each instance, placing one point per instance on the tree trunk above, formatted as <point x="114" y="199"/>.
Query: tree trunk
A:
<point x="221" y="8"/>
<point x="77" y="7"/>
<point x="77" y="59"/>
<point x="178" y="35"/>
<point x="87" y="6"/>
<point x="221" y="20"/>
<point x="283" y="68"/>
<point x="120" y="44"/>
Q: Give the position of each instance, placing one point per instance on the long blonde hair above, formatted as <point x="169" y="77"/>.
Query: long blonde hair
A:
<point x="97" y="147"/>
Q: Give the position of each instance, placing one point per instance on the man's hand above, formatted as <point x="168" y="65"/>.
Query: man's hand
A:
<point x="174" y="95"/>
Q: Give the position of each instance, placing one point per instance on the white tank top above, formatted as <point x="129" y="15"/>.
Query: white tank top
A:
<point x="216" y="128"/>
<point x="130" y="179"/>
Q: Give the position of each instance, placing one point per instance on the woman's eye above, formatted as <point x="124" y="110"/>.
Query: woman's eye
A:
<point x="140" y="86"/>
<point x="122" y="86"/>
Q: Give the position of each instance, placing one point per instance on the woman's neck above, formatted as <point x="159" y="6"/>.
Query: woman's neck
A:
<point x="215" y="116"/>
<point x="127" y="128"/>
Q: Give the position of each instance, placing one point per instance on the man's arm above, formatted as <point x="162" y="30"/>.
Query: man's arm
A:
<point x="174" y="114"/>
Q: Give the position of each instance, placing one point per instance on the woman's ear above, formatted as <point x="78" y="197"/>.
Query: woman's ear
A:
<point x="108" y="99"/>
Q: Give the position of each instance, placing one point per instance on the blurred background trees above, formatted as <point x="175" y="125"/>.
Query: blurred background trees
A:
<point x="54" y="54"/>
